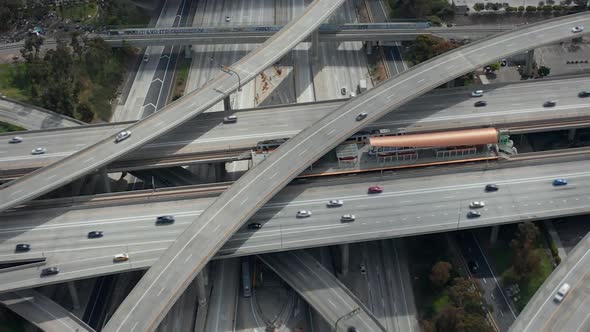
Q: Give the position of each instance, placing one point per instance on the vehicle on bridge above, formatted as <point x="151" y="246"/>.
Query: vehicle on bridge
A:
<point x="246" y="278"/>
<point x="559" y="182"/>
<point x="562" y="292"/>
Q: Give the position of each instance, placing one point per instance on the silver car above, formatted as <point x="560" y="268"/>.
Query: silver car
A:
<point x="15" y="139"/>
<point x="39" y="150"/>
<point x="122" y="136"/>
<point x="335" y="203"/>
<point x="348" y="218"/>
<point x="477" y="205"/>
<point x="303" y="213"/>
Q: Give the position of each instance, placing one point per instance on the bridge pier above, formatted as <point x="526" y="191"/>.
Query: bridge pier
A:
<point x="226" y="104"/>
<point x="344" y="258"/>
<point x="106" y="179"/>
<point x="315" y="45"/>
<point x="571" y="134"/>
<point x="74" y="295"/>
<point x="494" y="234"/>
<point x="188" y="52"/>
<point x="529" y="62"/>
<point x="201" y="289"/>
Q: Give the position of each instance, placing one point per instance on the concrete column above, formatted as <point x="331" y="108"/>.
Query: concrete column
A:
<point x="220" y="172"/>
<point x="315" y="45"/>
<point x="226" y="104"/>
<point x="74" y="295"/>
<point x="106" y="179"/>
<point x="494" y="235"/>
<point x="571" y="134"/>
<point x="188" y="51"/>
<point x="530" y="60"/>
<point x="369" y="47"/>
<point x="344" y="259"/>
<point x="201" y="290"/>
<point x="451" y="84"/>
<point x="77" y="186"/>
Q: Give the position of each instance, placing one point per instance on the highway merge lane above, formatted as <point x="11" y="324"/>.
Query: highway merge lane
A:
<point x="165" y="281"/>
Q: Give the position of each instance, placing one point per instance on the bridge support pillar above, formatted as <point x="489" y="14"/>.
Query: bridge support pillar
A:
<point x="188" y="51"/>
<point x="77" y="186"/>
<point x="530" y="60"/>
<point x="227" y="103"/>
<point x="74" y="295"/>
<point x="451" y="84"/>
<point x="344" y="258"/>
<point x="494" y="235"/>
<point x="315" y="45"/>
<point x="571" y="134"/>
<point x="201" y="290"/>
<point x="106" y="179"/>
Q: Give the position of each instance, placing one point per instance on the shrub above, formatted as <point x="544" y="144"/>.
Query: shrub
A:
<point x="511" y="9"/>
<point x="521" y="8"/>
<point x="557" y="8"/>
<point x="531" y="9"/>
<point x="478" y="6"/>
<point x="547" y="8"/>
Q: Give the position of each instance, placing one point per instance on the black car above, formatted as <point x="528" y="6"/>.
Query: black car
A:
<point x="473" y="266"/>
<point x="95" y="234"/>
<point x="254" y="226"/>
<point x="352" y="329"/>
<point x="583" y="94"/>
<point x="165" y="220"/>
<point x="50" y="271"/>
<point x="491" y="187"/>
<point x="480" y="103"/>
<point x="21" y="247"/>
<point x="549" y="103"/>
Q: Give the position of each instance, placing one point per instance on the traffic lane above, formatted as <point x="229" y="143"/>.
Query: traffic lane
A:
<point x="372" y="225"/>
<point x="541" y="311"/>
<point x="575" y="316"/>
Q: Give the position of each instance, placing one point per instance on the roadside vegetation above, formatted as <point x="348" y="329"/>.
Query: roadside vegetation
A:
<point x="427" y="47"/>
<point x="77" y="79"/>
<point x="446" y="299"/>
<point x="435" y="11"/>
<point x="181" y="75"/>
<point x="7" y="127"/>
<point x="523" y="260"/>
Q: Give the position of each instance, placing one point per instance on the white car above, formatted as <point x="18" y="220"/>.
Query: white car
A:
<point x="562" y="292"/>
<point x="335" y="203"/>
<point x="477" y="205"/>
<point x="121" y="257"/>
<point x="122" y="136"/>
<point x="227" y="18"/>
<point x="15" y="139"/>
<point x="347" y="218"/>
<point x="303" y="213"/>
<point x="577" y="29"/>
<point x="230" y="119"/>
<point x="477" y="93"/>
<point x="352" y="95"/>
<point x="38" y="151"/>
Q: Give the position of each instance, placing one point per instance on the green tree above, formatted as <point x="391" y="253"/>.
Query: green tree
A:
<point x="448" y="319"/>
<point x="440" y="273"/>
<point x="31" y="48"/>
<point x="76" y="45"/>
<point x="525" y="260"/>
<point x="84" y="112"/>
<point x="531" y="9"/>
<point x="478" y="6"/>
<point x="521" y="9"/>
<point x="544" y="71"/>
<point x="495" y="66"/>
<point x="463" y="294"/>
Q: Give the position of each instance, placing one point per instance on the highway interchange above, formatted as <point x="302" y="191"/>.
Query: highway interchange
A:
<point x="169" y="276"/>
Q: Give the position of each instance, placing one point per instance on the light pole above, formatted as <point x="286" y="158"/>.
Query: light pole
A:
<point x="228" y="70"/>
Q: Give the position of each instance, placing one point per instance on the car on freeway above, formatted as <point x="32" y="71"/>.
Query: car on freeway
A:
<point x="491" y="187"/>
<point x="22" y="247"/>
<point x="254" y="226"/>
<point x="161" y="220"/>
<point x="549" y="103"/>
<point x="363" y="269"/>
<point x="121" y="257"/>
<point x="477" y="204"/>
<point x="335" y="203"/>
<point x="562" y="292"/>
<point x="122" y="136"/>
<point x="15" y="139"/>
<point x="473" y="266"/>
<point x="352" y="329"/>
<point x="303" y="213"/>
<point x="480" y="103"/>
<point x="559" y="182"/>
<point x="348" y="218"/>
<point x="230" y="119"/>
<point x="343" y="91"/>
<point x="361" y="116"/>
<point x="39" y="150"/>
<point x="146" y="57"/>
<point x="50" y="271"/>
<point x="577" y="29"/>
<point x="477" y="93"/>
<point x="352" y="95"/>
<point x="473" y="214"/>
<point x="504" y="63"/>
<point x="375" y="190"/>
<point x="583" y="94"/>
<point x="95" y="234"/>
<point x="227" y="19"/>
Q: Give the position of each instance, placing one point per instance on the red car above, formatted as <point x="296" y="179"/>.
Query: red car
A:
<point x="375" y="190"/>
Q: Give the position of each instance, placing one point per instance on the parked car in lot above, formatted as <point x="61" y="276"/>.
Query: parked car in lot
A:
<point x="122" y="136"/>
<point x="38" y="151"/>
<point x="559" y="182"/>
<point x="473" y="214"/>
<point x="230" y="119"/>
<point x="491" y="187"/>
<point x="121" y="257"/>
<point x="303" y="213"/>
<point x="480" y="103"/>
<point x="477" y="204"/>
<point x="50" y="271"/>
<point x="375" y="190"/>
<point x="549" y="103"/>
<point x="335" y="203"/>
<point x="561" y="292"/>
<point x="15" y="139"/>
<point x="95" y="234"/>
<point x="22" y="247"/>
<point x="347" y="218"/>
<point x="165" y="220"/>
<point x="254" y="226"/>
<point x="477" y="93"/>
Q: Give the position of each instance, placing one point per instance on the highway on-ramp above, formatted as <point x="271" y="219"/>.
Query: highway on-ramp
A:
<point x="165" y="281"/>
<point x="171" y="116"/>
<point x="544" y="314"/>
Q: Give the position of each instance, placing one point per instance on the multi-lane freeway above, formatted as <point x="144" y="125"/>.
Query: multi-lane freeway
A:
<point x="410" y="205"/>
<point x="544" y="314"/>
<point x="206" y="137"/>
<point x="169" y="276"/>
<point x="171" y="116"/>
<point x="322" y="290"/>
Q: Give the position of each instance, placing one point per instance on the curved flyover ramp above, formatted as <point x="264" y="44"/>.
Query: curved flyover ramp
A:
<point x="42" y="311"/>
<point x="171" y="116"/>
<point x="156" y="292"/>
<point x="322" y="290"/>
<point x="32" y="117"/>
<point x="544" y="314"/>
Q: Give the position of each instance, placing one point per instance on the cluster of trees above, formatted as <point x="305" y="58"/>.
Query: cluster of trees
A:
<point x="466" y="309"/>
<point x="14" y="11"/>
<point x="76" y="79"/>
<point x="438" y="9"/>
<point x="546" y="7"/>
<point x="117" y="12"/>
<point x="525" y="259"/>
<point x="427" y="47"/>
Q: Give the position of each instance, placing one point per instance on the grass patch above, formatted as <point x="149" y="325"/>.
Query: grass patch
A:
<point x="182" y="69"/>
<point x="527" y="290"/>
<point x="80" y="12"/>
<point x="12" y="84"/>
<point x="440" y="302"/>
<point x="7" y="127"/>
<point x="12" y="325"/>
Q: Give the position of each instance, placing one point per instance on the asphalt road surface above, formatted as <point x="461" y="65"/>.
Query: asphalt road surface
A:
<point x="174" y="270"/>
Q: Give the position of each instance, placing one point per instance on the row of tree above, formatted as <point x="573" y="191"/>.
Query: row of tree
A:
<point x="426" y="47"/>
<point x="421" y="8"/>
<point x="526" y="260"/>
